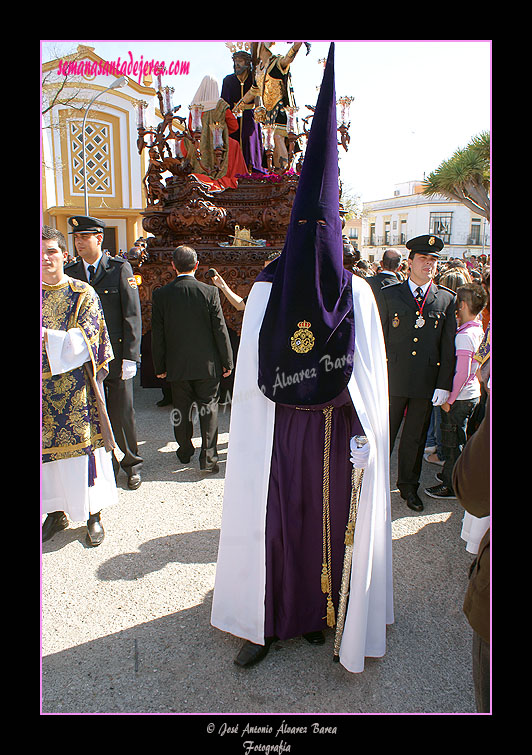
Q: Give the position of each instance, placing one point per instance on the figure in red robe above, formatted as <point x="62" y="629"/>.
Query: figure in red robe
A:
<point x="214" y="112"/>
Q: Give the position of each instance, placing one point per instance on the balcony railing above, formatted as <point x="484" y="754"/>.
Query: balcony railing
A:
<point x="452" y="240"/>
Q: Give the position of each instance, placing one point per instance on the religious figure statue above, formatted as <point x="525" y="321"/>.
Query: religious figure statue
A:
<point x="155" y="189"/>
<point x="234" y="87"/>
<point x="273" y="92"/>
<point x="219" y="162"/>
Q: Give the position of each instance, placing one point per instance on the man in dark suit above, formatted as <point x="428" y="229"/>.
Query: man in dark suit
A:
<point x="419" y="326"/>
<point x="391" y="259"/>
<point x="191" y="349"/>
<point x="114" y="282"/>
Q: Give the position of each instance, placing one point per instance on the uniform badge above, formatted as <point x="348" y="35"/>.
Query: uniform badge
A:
<point x="303" y="340"/>
<point x="432" y="240"/>
<point x="132" y="282"/>
<point x="74" y="221"/>
<point x="395" y="322"/>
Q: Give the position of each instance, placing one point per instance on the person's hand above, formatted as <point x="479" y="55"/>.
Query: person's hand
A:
<point x="162" y="375"/>
<point x="218" y="281"/>
<point x="226" y="372"/>
<point x="359" y="454"/>
<point x="446" y="407"/>
<point x="440" y="397"/>
<point x="129" y="369"/>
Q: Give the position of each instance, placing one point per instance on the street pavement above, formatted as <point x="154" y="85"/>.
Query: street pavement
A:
<point x="126" y="626"/>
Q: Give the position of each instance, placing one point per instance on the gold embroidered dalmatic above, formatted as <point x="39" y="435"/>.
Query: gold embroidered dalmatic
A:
<point x="70" y="419"/>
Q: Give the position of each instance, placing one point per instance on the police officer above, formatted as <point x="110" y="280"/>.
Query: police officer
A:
<point x="419" y="326"/>
<point x="113" y="280"/>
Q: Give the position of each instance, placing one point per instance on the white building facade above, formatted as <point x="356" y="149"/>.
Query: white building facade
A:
<point x="115" y="170"/>
<point x="409" y="213"/>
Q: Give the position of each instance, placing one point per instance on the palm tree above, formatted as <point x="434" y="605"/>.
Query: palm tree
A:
<point x="465" y="176"/>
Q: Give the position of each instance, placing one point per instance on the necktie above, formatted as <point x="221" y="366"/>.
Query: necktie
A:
<point x="91" y="273"/>
<point x="419" y="295"/>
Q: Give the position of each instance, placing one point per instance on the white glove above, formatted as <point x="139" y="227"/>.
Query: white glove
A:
<point x="440" y="397"/>
<point x="129" y="369"/>
<point x="359" y="456"/>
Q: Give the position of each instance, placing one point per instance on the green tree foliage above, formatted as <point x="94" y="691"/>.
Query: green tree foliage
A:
<point x="465" y="176"/>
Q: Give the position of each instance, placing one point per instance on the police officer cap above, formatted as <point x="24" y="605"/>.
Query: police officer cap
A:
<point x="425" y="245"/>
<point x="86" y="224"/>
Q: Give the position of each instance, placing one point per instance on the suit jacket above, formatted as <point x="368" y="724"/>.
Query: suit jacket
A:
<point x="419" y="359"/>
<point x="378" y="281"/>
<point x="190" y="340"/>
<point x="116" y="286"/>
<point x="472" y="485"/>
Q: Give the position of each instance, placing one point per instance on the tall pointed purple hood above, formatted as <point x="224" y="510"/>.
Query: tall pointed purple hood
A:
<point x="306" y="341"/>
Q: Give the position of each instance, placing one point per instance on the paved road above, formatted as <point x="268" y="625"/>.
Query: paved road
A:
<point x="126" y="629"/>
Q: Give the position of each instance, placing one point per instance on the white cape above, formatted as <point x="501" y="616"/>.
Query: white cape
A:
<point x="239" y="591"/>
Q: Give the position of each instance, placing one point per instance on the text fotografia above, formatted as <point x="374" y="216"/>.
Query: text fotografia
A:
<point x="284" y="729"/>
<point x="132" y="68"/>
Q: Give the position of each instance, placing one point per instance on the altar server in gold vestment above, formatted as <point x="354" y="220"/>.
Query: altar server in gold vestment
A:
<point x="77" y="440"/>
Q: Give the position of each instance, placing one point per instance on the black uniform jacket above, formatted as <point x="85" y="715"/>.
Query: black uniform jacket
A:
<point x="190" y="340"/>
<point x="116" y="286"/>
<point x="419" y="359"/>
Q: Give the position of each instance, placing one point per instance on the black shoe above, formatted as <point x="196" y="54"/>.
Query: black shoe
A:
<point x="133" y="481"/>
<point x="184" y="458"/>
<point x="250" y="653"/>
<point x="315" y="638"/>
<point x="54" y="522"/>
<point x="440" y="491"/>
<point x="95" y="531"/>
<point x="413" y="501"/>
<point x="164" y="402"/>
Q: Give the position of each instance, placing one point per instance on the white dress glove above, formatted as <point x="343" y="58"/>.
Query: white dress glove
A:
<point x="359" y="456"/>
<point x="440" y="397"/>
<point x="129" y="369"/>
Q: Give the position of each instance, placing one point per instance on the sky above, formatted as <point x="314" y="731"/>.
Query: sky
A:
<point x="415" y="102"/>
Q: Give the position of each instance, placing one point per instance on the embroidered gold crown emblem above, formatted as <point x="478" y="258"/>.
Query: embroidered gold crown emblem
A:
<point x="303" y="340"/>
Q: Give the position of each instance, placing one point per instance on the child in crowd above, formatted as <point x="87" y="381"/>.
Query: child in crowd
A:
<point x="465" y="393"/>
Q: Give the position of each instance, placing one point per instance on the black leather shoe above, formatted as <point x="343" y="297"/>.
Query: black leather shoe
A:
<point x="413" y="501"/>
<point x="184" y="458"/>
<point x="95" y="531"/>
<point x="133" y="482"/>
<point x="250" y="653"/>
<point x="54" y="522"/>
<point x="315" y="638"/>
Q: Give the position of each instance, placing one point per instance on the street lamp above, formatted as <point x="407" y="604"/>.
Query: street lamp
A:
<point x="117" y="84"/>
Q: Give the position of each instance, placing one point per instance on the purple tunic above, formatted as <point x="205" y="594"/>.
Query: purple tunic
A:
<point x="249" y="132"/>
<point x="294" y="601"/>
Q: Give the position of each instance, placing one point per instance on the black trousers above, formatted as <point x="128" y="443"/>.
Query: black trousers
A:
<point x="205" y="395"/>
<point x="119" y="398"/>
<point x="413" y="437"/>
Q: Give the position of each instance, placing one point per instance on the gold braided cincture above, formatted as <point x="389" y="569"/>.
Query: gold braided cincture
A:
<point x="326" y="577"/>
<point x="356" y="483"/>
